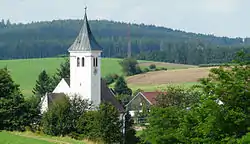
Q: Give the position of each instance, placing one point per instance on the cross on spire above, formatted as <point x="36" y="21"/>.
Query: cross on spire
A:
<point x="85" y="9"/>
<point x="85" y="40"/>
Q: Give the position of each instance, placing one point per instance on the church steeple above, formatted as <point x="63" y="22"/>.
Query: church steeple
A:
<point x="85" y="40"/>
<point x="85" y="65"/>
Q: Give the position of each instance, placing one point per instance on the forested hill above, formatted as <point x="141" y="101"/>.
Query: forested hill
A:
<point x="48" y="39"/>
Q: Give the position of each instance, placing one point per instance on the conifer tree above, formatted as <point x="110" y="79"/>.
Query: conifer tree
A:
<point x="11" y="103"/>
<point x="43" y="84"/>
<point x="62" y="72"/>
<point x="130" y="133"/>
<point x="121" y="87"/>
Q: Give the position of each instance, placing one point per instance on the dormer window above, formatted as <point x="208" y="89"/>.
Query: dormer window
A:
<point x="78" y="62"/>
<point x="82" y="61"/>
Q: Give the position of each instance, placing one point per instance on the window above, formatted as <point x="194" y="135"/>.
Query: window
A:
<point x="78" y="62"/>
<point x="96" y="61"/>
<point x="82" y="61"/>
<point x="93" y="62"/>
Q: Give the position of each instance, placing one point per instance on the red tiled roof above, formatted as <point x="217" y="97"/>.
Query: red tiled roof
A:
<point x="151" y="96"/>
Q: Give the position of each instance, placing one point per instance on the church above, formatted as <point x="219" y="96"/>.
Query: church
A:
<point x="85" y="73"/>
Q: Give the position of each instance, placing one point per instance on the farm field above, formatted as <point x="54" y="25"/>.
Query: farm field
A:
<point x="30" y="138"/>
<point x="26" y="71"/>
<point x="178" y="76"/>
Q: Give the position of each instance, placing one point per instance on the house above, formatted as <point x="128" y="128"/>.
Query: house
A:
<point x="85" y="73"/>
<point x="142" y="101"/>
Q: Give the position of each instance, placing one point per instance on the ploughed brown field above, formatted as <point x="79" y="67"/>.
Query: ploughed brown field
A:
<point x="169" y="77"/>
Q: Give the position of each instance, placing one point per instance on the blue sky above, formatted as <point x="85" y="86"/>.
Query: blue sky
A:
<point x="219" y="17"/>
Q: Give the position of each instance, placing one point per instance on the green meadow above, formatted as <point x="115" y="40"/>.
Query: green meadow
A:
<point x="31" y="138"/>
<point x="25" y="71"/>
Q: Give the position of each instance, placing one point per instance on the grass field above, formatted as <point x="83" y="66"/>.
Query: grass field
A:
<point x="26" y="71"/>
<point x="8" y="138"/>
<point x="30" y="138"/>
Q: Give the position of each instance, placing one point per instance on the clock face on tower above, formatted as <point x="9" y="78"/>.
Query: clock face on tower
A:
<point x="95" y="71"/>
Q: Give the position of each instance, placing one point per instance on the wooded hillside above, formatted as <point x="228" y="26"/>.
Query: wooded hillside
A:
<point x="49" y="39"/>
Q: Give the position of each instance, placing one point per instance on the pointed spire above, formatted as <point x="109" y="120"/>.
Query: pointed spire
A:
<point x="85" y="9"/>
<point x="85" y="40"/>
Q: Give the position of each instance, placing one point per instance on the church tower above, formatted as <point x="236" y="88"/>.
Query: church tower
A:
<point x="85" y="65"/>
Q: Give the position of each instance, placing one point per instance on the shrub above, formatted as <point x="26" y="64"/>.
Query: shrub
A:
<point x="62" y="116"/>
<point x="145" y="70"/>
<point x="152" y="66"/>
<point x="157" y="69"/>
<point x="110" y="78"/>
<point x="130" y="66"/>
<point x="121" y="87"/>
<point x="212" y="65"/>
<point x="164" y="68"/>
<point x="102" y="125"/>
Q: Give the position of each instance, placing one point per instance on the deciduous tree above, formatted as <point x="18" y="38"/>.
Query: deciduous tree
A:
<point x="130" y="66"/>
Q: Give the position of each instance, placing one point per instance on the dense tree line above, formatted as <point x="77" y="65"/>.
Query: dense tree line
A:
<point x="217" y="113"/>
<point x="53" y="38"/>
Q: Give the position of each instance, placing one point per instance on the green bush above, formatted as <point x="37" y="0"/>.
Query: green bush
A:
<point x="130" y="66"/>
<point x="102" y="125"/>
<point x="211" y="65"/>
<point x="111" y="78"/>
<point x="157" y="69"/>
<point x="245" y="139"/>
<point x="152" y="66"/>
<point x="145" y="70"/>
<point x="62" y="116"/>
<point x="163" y="68"/>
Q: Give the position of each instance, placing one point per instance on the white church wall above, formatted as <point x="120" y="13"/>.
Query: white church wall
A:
<point x="73" y="61"/>
<point x="44" y="103"/>
<point x="62" y="87"/>
<point x="83" y="79"/>
<point x="96" y="79"/>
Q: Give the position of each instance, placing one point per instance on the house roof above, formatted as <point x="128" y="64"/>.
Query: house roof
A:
<point x="150" y="96"/>
<point x="85" y="40"/>
<point x="53" y="97"/>
<point x="106" y="95"/>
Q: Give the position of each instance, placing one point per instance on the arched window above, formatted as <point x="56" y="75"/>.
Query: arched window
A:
<point x="96" y="61"/>
<point x="78" y="62"/>
<point x="93" y="62"/>
<point x="82" y="61"/>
